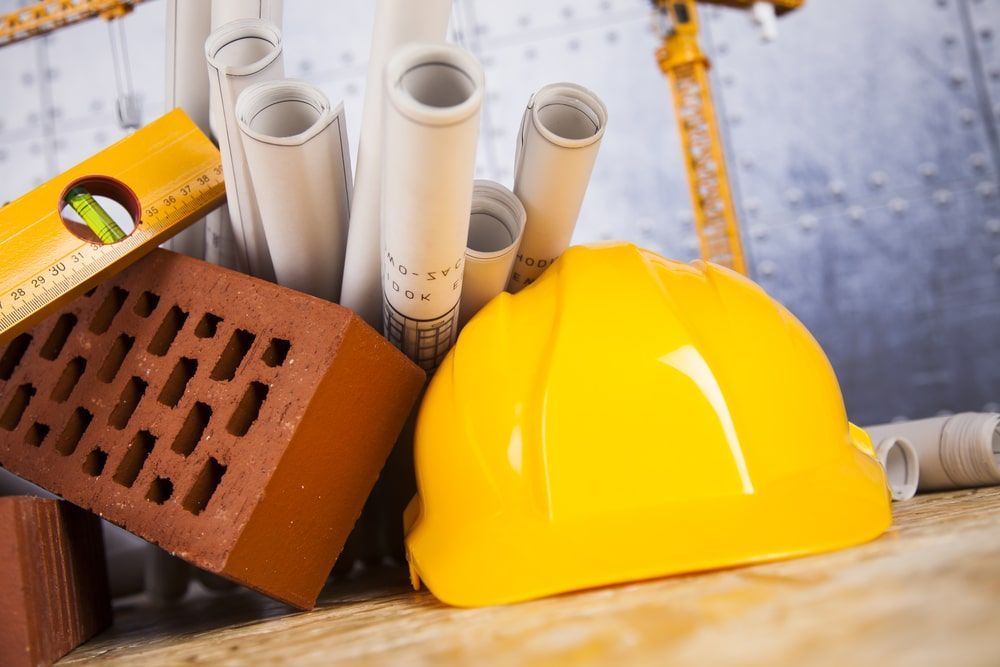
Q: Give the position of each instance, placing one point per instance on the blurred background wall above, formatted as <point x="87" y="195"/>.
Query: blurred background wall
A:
<point x="863" y="148"/>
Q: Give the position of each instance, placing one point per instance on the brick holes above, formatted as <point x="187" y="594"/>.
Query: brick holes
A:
<point x="67" y="381"/>
<point x="116" y="357"/>
<point x="57" y="338"/>
<point x="131" y="394"/>
<point x="276" y="352"/>
<point x="12" y="414"/>
<point x="207" y="326"/>
<point x="173" y="390"/>
<point x="135" y="458"/>
<point x="192" y="430"/>
<point x="36" y="434"/>
<point x="73" y="432"/>
<point x="146" y="304"/>
<point x="112" y="303"/>
<point x="160" y="490"/>
<point x="248" y="410"/>
<point x="13" y="354"/>
<point x="168" y="331"/>
<point x="94" y="464"/>
<point x="204" y="487"/>
<point x="236" y="349"/>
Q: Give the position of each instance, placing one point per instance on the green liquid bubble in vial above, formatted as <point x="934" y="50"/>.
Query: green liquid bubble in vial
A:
<point x="92" y="213"/>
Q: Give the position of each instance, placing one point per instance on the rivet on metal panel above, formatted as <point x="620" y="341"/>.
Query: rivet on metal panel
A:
<point x="767" y="268"/>
<point x="646" y="226"/>
<point x="793" y="196"/>
<point x="691" y="243"/>
<point x="978" y="161"/>
<point x="758" y="232"/>
<point x="808" y="222"/>
<point x="837" y="188"/>
<point x="986" y="189"/>
<point x="943" y="197"/>
<point x="928" y="170"/>
<point x="877" y="179"/>
<point x="967" y="116"/>
<point x="898" y="205"/>
<point x="746" y="163"/>
<point x="957" y="77"/>
<point x="752" y="205"/>
<point x="986" y="34"/>
<point x="950" y="39"/>
<point x="993" y="225"/>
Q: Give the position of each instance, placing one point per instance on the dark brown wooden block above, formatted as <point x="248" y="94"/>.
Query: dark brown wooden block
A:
<point x="53" y="582"/>
<point x="235" y="423"/>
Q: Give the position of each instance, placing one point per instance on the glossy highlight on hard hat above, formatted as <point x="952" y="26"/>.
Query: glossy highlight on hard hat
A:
<point x="629" y="417"/>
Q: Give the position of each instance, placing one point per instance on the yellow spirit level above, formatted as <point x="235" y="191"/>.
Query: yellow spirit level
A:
<point x="166" y="176"/>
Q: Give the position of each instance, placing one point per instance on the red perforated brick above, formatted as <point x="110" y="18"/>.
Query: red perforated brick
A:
<point x="53" y="585"/>
<point x="235" y="423"/>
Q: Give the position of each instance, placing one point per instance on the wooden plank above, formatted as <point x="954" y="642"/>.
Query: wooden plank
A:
<point x="923" y="594"/>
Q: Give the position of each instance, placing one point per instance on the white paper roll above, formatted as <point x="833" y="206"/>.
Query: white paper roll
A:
<point x="220" y="244"/>
<point x="241" y="53"/>
<point x="560" y="135"/>
<point x="188" y="25"/>
<point x="495" y="228"/>
<point x="955" y="452"/>
<point x="431" y="124"/>
<point x="397" y="22"/>
<point x="224" y="11"/>
<point x="297" y="152"/>
<point x="902" y="466"/>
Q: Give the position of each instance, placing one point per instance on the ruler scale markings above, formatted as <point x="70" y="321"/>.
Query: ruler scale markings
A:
<point x="174" y="171"/>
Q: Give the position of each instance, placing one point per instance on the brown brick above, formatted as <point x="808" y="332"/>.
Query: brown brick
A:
<point x="53" y="584"/>
<point x="235" y="423"/>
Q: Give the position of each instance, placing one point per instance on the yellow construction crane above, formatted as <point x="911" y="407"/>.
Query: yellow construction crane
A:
<point x="686" y="66"/>
<point x="41" y="17"/>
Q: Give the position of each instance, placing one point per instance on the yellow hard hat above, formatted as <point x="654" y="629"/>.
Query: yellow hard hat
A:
<point x="629" y="417"/>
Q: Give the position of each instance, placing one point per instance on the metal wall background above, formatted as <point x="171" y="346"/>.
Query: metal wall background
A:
<point x="863" y="147"/>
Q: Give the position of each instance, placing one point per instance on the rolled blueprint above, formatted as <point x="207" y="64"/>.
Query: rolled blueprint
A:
<point x="495" y="227"/>
<point x="397" y="22"/>
<point x="220" y="244"/>
<point x="955" y="452"/>
<point x="902" y="466"/>
<point x="297" y="153"/>
<point x="241" y="53"/>
<point x="431" y="125"/>
<point x="224" y="11"/>
<point x="560" y="135"/>
<point x="188" y="25"/>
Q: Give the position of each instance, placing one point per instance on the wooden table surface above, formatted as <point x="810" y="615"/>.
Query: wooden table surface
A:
<point x="926" y="593"/>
